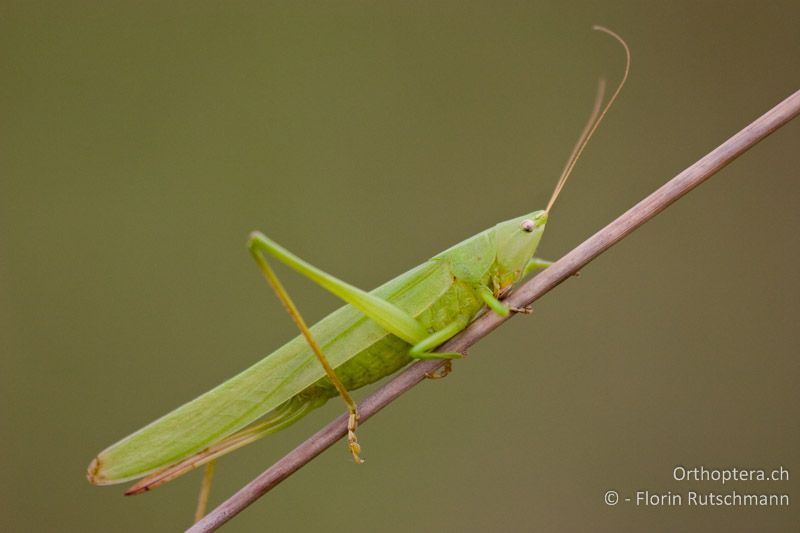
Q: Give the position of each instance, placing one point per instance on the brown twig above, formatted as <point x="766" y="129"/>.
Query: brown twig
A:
<point x="523" y="296"/>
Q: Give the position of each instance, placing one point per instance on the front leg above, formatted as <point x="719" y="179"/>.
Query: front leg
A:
<point x="499" y="307"/>
<point x="492" y="302"/>
<point x="534" y="264"/>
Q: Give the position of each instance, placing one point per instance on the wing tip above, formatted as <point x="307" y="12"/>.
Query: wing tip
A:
<point x="94" y="473"/>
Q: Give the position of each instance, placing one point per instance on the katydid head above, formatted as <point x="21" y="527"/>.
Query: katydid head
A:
<point x="518" y="238"/>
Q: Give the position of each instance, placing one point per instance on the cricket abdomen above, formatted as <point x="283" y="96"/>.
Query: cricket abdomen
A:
<point x="383" y="358"/>
<point x="389" y="354"/>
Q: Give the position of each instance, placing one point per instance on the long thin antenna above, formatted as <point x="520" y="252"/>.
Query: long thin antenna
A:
<point x="584" y="137"/>
<point x="594" y="120"/>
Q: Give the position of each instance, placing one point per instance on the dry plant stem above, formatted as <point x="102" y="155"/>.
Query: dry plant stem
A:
<point x="524" y="295"/>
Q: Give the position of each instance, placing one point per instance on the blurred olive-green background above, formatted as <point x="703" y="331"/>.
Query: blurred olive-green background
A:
<point x="140" y="143"/>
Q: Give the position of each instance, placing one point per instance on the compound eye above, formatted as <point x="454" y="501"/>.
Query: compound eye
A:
<point x="527" y="225"/>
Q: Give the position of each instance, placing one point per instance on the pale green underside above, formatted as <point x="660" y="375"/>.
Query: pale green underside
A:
<point x="251" y="394"/>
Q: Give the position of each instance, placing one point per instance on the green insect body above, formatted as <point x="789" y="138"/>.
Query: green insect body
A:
<point x="442" y="295"/>
<point x="371" y="337"/>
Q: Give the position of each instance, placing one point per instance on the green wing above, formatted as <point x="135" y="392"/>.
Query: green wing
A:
<point x="264" y="386"/>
